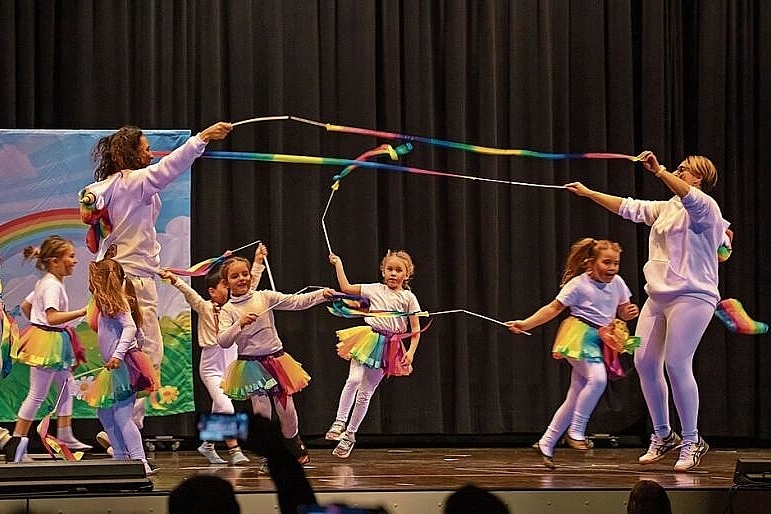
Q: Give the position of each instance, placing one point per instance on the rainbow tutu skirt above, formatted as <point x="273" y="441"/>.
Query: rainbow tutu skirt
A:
<point x="273" y="374"/>
<point x="135" y="375"/>
<point x="373" y="349"/>
<point x="577" y="339"/>
<point x="46" y="348"/>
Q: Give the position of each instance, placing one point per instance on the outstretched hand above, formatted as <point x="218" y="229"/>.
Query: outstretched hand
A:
<point x="650" y="161"/>
<point x="167" y="275"/>
<point x="577" y="188"/>
<point x="334" y="260"/>
<point x="260" y="253"/>
<point x="516" y="327"/>
<point x="219" y="130"/>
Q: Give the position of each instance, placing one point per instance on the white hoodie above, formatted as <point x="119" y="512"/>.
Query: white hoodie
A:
<point x="133" y="203"/>
<point x="682" y="249"/>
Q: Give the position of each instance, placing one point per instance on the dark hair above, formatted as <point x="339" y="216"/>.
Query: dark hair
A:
<point x="117" y="152"/>
<point x="203" y="494"/>
<point x="212" y="279"/>
<point x="471" y="498"/>
<point x="648" y="497"/>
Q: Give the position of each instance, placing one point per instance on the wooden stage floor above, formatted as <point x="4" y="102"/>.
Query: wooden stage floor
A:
<point x="419" y="480"/>
<point x="447" y="469"/>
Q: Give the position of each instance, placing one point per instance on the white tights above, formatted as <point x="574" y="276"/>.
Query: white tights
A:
<point x="40" y="380"/>
<point x="359" y="387"/>
<point x="125" y="438"/>
<point x="670" y="332"/>
<point x="220" y="402"/>
<point x="587" y="383"/>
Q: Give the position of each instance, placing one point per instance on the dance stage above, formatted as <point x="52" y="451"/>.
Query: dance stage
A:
<point x="403" y="480"/>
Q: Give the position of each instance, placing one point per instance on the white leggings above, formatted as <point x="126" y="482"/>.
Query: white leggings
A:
<point x="670" y="332"/>
<point x="287" y="416"/>
<point x="220" y="403"/>
<point x="40" y="380"/>
<point x="147" y="299"/>
<point x="359" y="387"/>
<point x="587" y="383"/>
<point x="124" y="435"/>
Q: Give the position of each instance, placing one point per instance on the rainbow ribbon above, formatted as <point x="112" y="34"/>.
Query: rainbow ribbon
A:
<point x="354" y="306"/>
<point x="455" y="145"/>
<point x="336" y="161"/>
<point x="392" y="152"/>
<point x="731" y="312"/>
<point x="202" y="268"/>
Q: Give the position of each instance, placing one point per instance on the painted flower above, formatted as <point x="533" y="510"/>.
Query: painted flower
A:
<point x="168" y="394"/>
<point x="82" y="385"/>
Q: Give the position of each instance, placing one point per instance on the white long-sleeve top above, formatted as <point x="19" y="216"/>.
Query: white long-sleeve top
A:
<point x="682" y="249"/>
<point x="116" y="335"/>
<point x="261" y="337"/>
<point x="133" y="204"/>
<point x="207" y="321"/>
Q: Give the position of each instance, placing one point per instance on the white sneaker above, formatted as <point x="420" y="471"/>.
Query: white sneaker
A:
<point x="344" y="446"/>
<point x="207" y="450"/>
<point x="659" y="447"/>
<point x="236" y="457"/>
<point x="691" y="454"/>
<point x="335" y="432"/>
<point x="104" y="441"/>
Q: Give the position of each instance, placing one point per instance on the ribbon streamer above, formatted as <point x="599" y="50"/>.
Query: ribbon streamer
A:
<point x="354" y="306"/>
<point x="455" y="145"/>
<point x="336" y="161"/>
<point x="466" y="147"/>
<point x="394" y="153"/>
<point x="288" y="297"/>
<point x="263" y="118"/>
<point x="202" y="268"/>
<point x="464" y="311"/>
<point x="54" y="446"/>
<point x="270" y="275"/>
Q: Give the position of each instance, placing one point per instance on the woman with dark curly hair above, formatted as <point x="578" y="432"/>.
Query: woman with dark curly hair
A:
<point x="122" y="207"/>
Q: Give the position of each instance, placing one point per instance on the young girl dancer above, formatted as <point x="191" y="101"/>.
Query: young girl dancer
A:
<point x="127" y="369"/>
<point x="263" y="372"/>
<point x="596" y="295"/>
<point x="48" y="345"/>
<point x="368" y="347"/>
<point x="214" y="358"/>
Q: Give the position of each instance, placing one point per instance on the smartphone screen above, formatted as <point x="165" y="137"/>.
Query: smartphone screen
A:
<point x="219" y="427"/>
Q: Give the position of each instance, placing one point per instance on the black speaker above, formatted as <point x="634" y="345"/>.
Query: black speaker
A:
<point x="752" y="472"/>
<point x="79" y="476"/>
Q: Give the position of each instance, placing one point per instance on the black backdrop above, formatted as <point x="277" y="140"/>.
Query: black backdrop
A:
<point x="674" y="76"/>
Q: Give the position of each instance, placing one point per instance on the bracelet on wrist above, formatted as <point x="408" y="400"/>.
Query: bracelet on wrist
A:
<point x="660" y="171"/>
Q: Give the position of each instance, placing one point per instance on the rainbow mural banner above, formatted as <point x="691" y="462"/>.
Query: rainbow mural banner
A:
<point x="41" y="172"/>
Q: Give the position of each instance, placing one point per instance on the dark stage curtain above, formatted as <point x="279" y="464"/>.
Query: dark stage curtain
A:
<point x="675" y="76"/>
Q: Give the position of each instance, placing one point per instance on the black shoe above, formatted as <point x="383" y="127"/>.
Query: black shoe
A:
<point x="15" y="448"/>
<point x="297" y="448"/>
